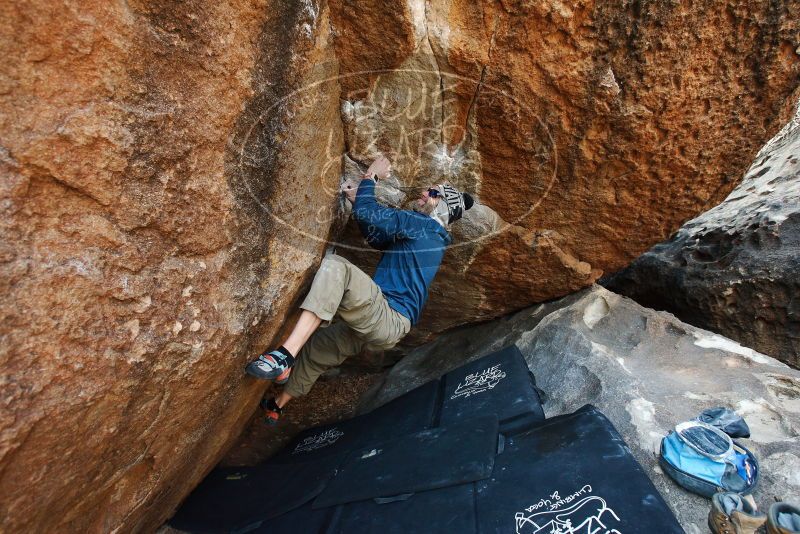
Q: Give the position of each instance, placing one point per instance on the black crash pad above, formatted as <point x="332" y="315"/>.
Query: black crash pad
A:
<point x="322" y="441"/>
<point x="409" y="413"/>
<point x="445" y="510"/>
<point x="499" y="383"/>
<point x="231" y="498"/>
<point x="435" y="458"/>
<point x="573" y="473"/>
<point x="303" y="520"/>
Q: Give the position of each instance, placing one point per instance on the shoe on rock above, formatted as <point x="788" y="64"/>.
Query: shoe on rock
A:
<point x="273" y="365"/>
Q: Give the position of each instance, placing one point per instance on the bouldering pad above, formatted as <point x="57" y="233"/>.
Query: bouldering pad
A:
<point x="322" y="441"/>
<point x="435" y="458"/>
<point x="229" y="499"/>
<point x="303" y="520"/>
<point x="499" y="383"/>
<point x="394" y="470"/>
<point x="573" y="474"/>
<point x="409" y="413"/>
<point x="449" y="509"/>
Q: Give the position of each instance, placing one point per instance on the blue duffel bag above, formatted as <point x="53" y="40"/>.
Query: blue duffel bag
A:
<point x="704" y="460"/>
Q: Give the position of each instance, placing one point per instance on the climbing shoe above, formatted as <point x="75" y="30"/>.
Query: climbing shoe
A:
<point x="783" y="518"/>
<point x="732" y="513"/>
<point x="272" y="412"/>
<point x="274" y="365"/>
<point x="283" y="377"/>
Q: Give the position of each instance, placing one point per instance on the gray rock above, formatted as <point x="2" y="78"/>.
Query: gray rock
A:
<point x="736" y="268"/>
<point x="646" y="370"/>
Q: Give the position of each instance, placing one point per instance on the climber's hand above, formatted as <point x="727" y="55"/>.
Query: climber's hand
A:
<point x="349" y="187"/>
<point x="380" y="168"/>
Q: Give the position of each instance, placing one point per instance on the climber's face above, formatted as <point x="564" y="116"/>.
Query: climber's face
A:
<point x="428" y="200"/>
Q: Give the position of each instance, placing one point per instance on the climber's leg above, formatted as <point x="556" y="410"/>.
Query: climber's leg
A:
<point x="327" y="348"/>
<point x="321" y="303"/>
<point x="365" y="319"/>
<point x="335" y="285"/>
<point x="364" y="309"/>
<point x="307" y="323"/>
<point x="339" y="288"/>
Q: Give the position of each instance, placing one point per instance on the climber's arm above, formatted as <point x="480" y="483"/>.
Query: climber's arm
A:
<point x="379" y="224"/>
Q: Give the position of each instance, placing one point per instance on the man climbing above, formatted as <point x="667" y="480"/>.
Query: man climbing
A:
<point x="373" y="312"/>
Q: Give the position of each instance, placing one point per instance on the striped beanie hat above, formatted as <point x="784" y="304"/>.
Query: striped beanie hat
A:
<point x="457" y="202"/>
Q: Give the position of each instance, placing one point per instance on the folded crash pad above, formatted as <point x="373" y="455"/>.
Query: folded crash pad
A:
<point x="444" y="510"/>
<point x="322" y="441"/>
<point x="232" y="497"/>
<point x="499" y="383"/>
<point x="303" y="520"/>
<point x="394" y="470"/>
<point x="435" y="458"/>
<point x="574" y="474"/>
<point x="229" y="499"/>
<point x="409" y="413"/>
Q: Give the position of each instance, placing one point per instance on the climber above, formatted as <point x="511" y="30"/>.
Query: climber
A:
<point x="374" y="313"/>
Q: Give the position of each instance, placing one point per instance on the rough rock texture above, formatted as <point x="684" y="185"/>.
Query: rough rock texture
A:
<point x="736" y="268"/>
<point x="138" y="271"/>
<point x="169" y="177"/>
<point x="645" y="370"/>
<point x="591" y="129"/>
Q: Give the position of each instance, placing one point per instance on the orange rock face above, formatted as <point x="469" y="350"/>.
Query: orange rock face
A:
<point x="169" y="176"/>
<point x="589" y="130"/>
<point x="144" y="173"/>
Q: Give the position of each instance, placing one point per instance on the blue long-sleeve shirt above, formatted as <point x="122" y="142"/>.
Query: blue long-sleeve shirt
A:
<point x="413" y="245"/>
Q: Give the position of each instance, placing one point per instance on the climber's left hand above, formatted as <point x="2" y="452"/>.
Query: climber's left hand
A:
<point x="349" y="187"/>
<point x="381" y="168"/>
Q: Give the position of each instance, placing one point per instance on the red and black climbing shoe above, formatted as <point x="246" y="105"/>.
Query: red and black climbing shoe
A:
<point x="272" y="412"/>
<point x="283" y="377"/>
<point x="274" y="365"/>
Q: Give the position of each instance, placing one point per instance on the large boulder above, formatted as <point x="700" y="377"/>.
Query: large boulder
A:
<point x="589" y="129"/>
<point x="169" y="178"/>
<point x="145" y="167"/>
<point x="735" y="269"/>
<point x="646" y="371"/>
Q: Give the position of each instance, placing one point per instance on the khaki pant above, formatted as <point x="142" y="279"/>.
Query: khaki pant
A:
<point x="366" y="321"/>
